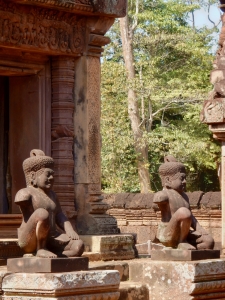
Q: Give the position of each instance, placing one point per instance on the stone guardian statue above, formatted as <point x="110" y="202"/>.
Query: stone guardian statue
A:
<point x="178" y="227"/>
<point x="45" y="230"/>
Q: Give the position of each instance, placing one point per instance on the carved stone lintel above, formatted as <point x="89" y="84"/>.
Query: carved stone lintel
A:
<point x="43" y="30"/>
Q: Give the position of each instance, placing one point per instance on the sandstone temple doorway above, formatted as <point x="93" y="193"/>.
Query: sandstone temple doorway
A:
<point x="25" y="118"/>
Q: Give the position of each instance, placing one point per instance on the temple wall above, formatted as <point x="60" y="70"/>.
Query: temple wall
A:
<point x="134" y="213"/>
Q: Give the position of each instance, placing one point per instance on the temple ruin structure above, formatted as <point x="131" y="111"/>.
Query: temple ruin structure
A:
<point x="50" y="99"/>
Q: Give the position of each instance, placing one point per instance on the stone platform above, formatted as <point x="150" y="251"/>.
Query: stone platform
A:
<point x="88" y="285"/>
<point x="169" y="254"/>
<point x="46" y="265"/>
<point x="108" y="247"/>
<point x="176" y="280"/>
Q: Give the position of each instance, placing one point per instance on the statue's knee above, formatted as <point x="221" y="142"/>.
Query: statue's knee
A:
<point x="41" y="214"/>
<point x="183" y="213"/>
<point x="78" y="247"/>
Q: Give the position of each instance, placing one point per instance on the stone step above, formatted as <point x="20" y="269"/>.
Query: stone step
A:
<point x="133" y="291"/>
<point x="121" y="266"/>
<point x="9" y="248"/>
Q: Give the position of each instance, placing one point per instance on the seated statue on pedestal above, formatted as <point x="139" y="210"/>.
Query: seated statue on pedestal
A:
<point x="178" y="227"/>
<point x="45" y="230"/>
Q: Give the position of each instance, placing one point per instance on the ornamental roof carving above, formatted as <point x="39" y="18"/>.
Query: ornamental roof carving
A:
<point x="114" y="8"/>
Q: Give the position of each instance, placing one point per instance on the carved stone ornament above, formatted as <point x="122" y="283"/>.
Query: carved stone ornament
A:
<point x="116" y="8"/>
<point x="39" y="29"/>
<point x="213" y="111"/>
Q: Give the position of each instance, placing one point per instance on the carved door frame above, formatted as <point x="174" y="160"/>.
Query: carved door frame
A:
<point x="39" y="83"/>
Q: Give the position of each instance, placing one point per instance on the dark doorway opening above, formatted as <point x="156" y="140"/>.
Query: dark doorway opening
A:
<point x="5" y="180"/>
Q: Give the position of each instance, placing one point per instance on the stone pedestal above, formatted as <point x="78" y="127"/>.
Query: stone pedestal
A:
<point x="169" y="254"/>
<point x="180" y="280"/>
<point x="46" y="265"/>
<point x="109" y="247"/>
<point x="88" y="285"/>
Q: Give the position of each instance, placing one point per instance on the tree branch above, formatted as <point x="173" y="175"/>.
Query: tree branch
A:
<point x="134" y="26"/>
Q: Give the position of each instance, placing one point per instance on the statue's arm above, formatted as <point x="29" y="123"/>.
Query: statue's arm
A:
<point x="23" y="199"/>
<point x="63" y="222"/>
<point x="21" y="196"/>
<point x="160" y="199"/>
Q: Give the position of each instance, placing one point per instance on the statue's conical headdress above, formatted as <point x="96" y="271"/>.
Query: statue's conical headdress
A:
<point x="170" y="167"/>
<point x="36" y="162"/>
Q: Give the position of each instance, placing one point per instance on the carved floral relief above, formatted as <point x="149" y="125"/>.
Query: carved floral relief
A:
<point x="44" y="29"/>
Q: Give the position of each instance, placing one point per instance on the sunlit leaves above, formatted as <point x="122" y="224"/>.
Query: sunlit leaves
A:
<point x="173" y="61"/>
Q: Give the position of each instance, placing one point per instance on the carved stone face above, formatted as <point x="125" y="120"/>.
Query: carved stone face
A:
<point x="177" y="182"/>
<point x="45" y="180"/>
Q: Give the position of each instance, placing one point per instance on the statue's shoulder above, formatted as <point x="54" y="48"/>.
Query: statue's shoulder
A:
<point x="23" y="195"/>
<point x="160" y="196"/>
<point x="185" y="197"/>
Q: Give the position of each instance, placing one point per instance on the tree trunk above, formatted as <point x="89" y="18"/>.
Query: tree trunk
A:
<point x="140" y="146"/>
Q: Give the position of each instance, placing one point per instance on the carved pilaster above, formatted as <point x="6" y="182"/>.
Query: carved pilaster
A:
<point x="92" y="218"/>
<point x="63" y="129"/>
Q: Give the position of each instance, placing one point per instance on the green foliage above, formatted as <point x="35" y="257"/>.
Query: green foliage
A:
<point x="173" y="61"/>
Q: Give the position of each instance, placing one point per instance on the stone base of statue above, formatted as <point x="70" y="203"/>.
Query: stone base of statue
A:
<point x="186" y="280"/>
<point x="108" y="247"/>
<point x="81" y="285"/>
<point x="168" y="254"/>
<point x="46" y="265"/>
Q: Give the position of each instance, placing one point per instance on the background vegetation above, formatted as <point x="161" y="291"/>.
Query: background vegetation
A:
<point x="157" y="74"/>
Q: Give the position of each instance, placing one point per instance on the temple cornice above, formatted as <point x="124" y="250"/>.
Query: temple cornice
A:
<point x="52" y="32"/>
<point x="92" y="7"/>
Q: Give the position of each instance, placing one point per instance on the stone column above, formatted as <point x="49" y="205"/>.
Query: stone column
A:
<point x="87" y="149"/>
<point x="223" y="194"/>
<point x="63" y="130"/>
<point x="214" y="110"/>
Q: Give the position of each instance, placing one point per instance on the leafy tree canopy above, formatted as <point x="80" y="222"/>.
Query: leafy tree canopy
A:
<point x="173" y="60"/>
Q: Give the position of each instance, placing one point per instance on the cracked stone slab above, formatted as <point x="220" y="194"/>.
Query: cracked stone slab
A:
<point x="61" y="284"/>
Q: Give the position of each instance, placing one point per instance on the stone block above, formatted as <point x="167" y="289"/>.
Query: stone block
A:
<point x="88" y="285"/>
<point x="116" y="200"/>
<point x="110" y="247"/>
<point x="136" y="270"/>
<point x="3" y="273"/>
<point x="139" y="201"/>
<point x="216" y="76"/>
<point x="144" y="248"/>
<point x="134" y="217"/>
<point x="181" y="280"/>
<point x="168" y="254"/>
<point x="119" y="214"/>
<point x="121" y="266"/>
<point x="9" y="248"/>
<point x="93" y="256"/>
<point x="195" y="198"/>
<point x="142" y="233"/>
<point x="133" y="291"/>
<point x="211" y="200"/>
<point x="46" y="265"/>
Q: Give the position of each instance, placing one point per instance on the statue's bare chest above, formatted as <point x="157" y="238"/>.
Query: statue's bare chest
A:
<point x="42" y="201"/>
<point x="176" y="201"/>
